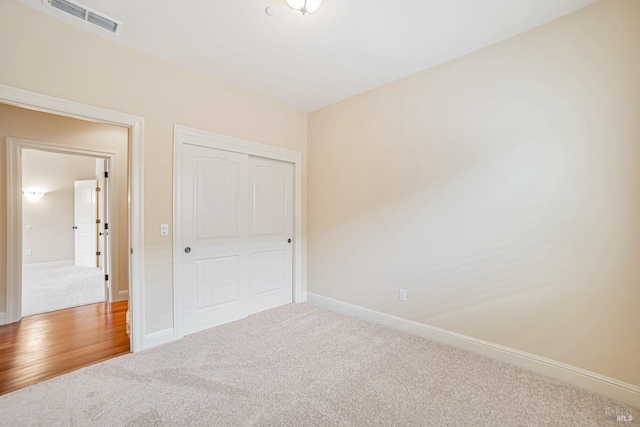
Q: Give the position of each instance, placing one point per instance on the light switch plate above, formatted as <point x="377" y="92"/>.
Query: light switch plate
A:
<point x="27" y="228"/>
<point x="164" y="229"/>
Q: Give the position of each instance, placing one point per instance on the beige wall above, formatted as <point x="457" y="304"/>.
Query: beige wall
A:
<point x="501" y="190"/>
<point x="42" y="54"/>
<point x="51" y="218"/>
<point x="43" y="127"/>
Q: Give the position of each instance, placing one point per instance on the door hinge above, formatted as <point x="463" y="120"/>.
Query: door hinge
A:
<point x="106" y="277"/>
<point x="98" y="189"/>
<point x="97" y="221"/>
<point x="106" y="226"/>
<point x="106" y="174"/>
<point x="98" y="253"/>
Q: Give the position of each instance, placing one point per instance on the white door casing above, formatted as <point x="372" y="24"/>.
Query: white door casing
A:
<point x="85" y="210"/>
<point x="270" y="233"/>
<point x="15" y="146"/>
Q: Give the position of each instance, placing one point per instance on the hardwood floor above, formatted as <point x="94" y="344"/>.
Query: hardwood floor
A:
<point x="47" y="345"/>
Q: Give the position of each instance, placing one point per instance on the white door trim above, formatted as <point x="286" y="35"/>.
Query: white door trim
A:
<point x="35" y="101"/>
<point x="14" y="215"/>
<point x="184" y="135"/>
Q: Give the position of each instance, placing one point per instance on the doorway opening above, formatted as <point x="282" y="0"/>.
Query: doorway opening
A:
<point x="11" y="252"/>
<point x="65" y="231"/>
<point x="54" y="166"/>
<point x="57" y="171"/>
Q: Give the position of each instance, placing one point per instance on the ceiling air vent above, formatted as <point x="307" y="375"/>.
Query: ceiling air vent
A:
<point x="86" y="14"/>
<point x="71" y="8"/>
<point x="103" y="22"/>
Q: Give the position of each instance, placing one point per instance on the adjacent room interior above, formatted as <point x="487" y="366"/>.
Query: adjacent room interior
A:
<point x="327" y="212"/>
<point x="63" y="265"/>
<point x="73" y="286"/>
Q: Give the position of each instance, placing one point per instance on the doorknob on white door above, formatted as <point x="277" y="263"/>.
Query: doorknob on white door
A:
<point x="187" y="249"/>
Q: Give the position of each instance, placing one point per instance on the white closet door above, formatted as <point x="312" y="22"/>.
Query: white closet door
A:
<point x="270" y="233"/>
<point x="85" y="228"/>
<point x="212" y="285"/>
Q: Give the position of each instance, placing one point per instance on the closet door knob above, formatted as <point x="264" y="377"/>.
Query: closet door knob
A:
<point x="187" y="249"/>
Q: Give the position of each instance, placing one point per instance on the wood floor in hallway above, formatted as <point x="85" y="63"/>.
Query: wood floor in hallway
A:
<point x="47" y="345"/>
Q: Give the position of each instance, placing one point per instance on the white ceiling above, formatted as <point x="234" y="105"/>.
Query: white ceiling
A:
<point x="308" y="62"/>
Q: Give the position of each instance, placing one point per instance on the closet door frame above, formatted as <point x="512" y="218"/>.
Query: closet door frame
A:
<point x="189" y="136"/>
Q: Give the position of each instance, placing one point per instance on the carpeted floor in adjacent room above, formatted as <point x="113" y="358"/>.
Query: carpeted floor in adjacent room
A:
<point x="51" y="288"/>
<point x="299" y="365"/>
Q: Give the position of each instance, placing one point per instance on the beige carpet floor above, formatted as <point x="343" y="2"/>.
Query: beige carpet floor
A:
<point x="300" y="365"/>
<point x="52" y="288"/>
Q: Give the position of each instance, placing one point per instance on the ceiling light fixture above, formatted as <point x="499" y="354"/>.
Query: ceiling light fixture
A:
<point x="34" y="195"/>
<point x="304" y="7"/>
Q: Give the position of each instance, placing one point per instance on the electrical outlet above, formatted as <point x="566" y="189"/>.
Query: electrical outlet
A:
<point x="402" y="295"/>
<point x="27" y="252"/>
<point x="164" y="229"/>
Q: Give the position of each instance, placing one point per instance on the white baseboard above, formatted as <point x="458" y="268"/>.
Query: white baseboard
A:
<point x="302" y="297"/>
<point x="49" y="264"/>
<point x="120" y="296"/>
<point x="612" y="388"/>
<point x="155" y="339"/>
<point x="3" y="318"/>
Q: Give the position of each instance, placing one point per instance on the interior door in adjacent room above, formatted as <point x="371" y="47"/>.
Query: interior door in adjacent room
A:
<point x="86" y="228"/>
